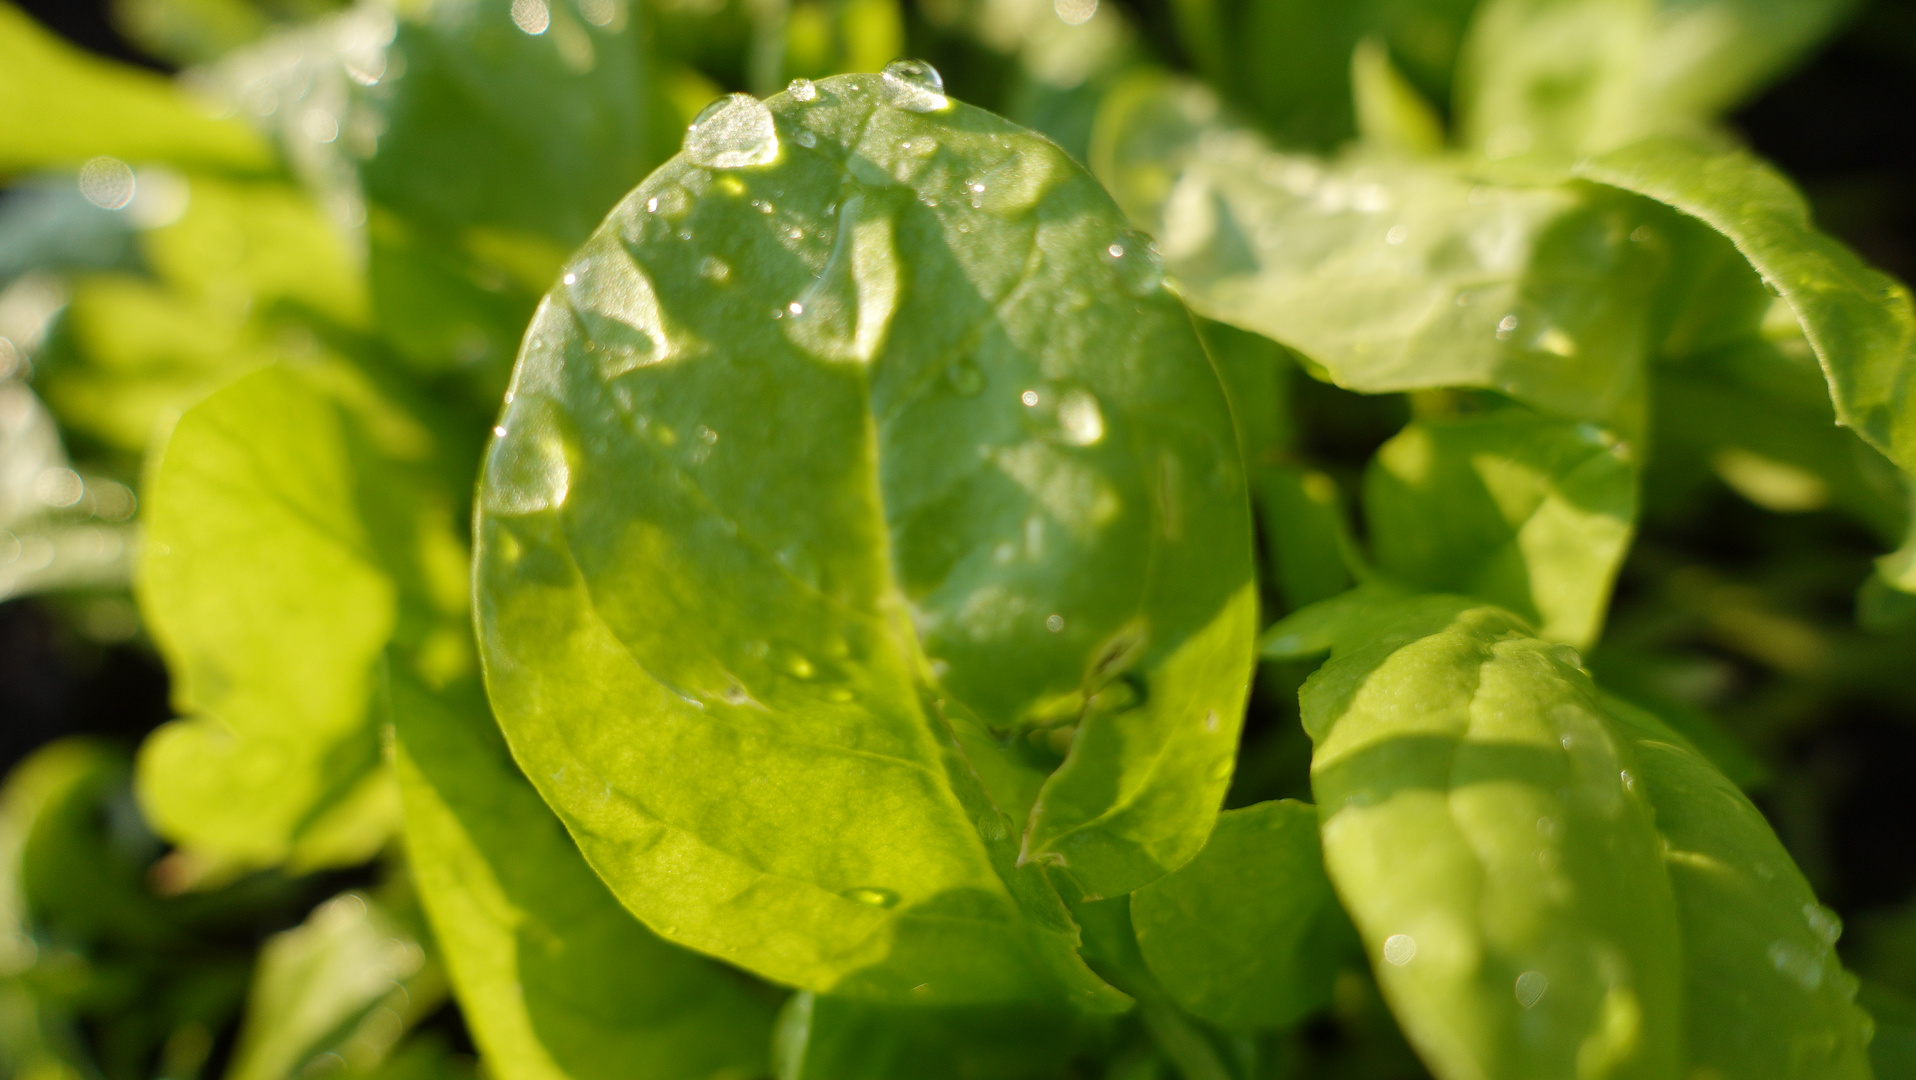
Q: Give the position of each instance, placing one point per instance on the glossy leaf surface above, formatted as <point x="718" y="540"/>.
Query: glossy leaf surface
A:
<point x="1482" y="829"/>
<point x="1528" y="512"/>
<point x="557" y="980"/>
<point x="297" y="526"/>
<point x="1764" y="992"/>
<point x="1248" y="934"/>
<point x="864" y="430"/>
<point x="1386" y="273"/>
<point x="1860" y="322"/>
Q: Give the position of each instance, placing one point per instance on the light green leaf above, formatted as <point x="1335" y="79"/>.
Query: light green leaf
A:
<point x="1389" y="274"/>
<point x="485" y="123"/>
<point x="830" y="1038"/>
<point x="556" y="979"/>
<point x="1391" y="114"/>
<point x="65" y="107"/>
<point x="1248" y="934"/>
<point x="904" y="448"/>
<point x="1528" y="512"/>
<point x="1480" y="828"/>
<point x="344" y="984"/>
<point x="297" y="523"/>
<point x="1764" y="992"/>
<point x="1859" y="321"/>
<point x="1583" y="76"/>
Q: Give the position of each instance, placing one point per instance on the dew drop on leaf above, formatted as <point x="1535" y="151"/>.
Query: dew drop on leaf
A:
<point x="1400" y="949"/>
<point x="876" y="897"/>
<point x="915" y="86"/>
<point x="733" y="132"/>
<point x="1080" y="418"/>
<point x="1530" y="988"/>
<point x="803" y="90"/>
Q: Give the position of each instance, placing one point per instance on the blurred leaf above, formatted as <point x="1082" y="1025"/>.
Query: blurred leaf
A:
<point x="1248" y="934"/>
<point x="297" y="524"/>
<point x="345" y="985"/>
<point x="487" y="123"/>
<point x="1388" y="274"/>
<point x="1391" y="114"/>
<point x="1584" y="76"/>
<point x="1859" y="321"/>
<point x="828" y="1038"/>
<point x="1506" y="881"/>
<point x="557" y="980"/>
<point x="912" y="553"/>
<point x="1764" y="992"/>
<point x="1307" y="541"/>
<point x="65" y="107"/>
<point x="1528" y="512"/>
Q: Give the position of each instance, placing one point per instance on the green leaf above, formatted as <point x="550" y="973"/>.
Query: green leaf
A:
<point x="905" y="455"/>
<point x="297" y="523"/>
<point x="830" y="1038"/>
<point x="1248" y="934"/>
<point x="1386" y="273"/>
<point x="344" y="984"/>
<point x="1764" y="992"/>
<point x="1528" y="512"/>
<point x="64" y="107"/>
<point x="1391" y="114"/>
<point x="555" y="978"/>
<point x="1583" y="76"/>
<point x="1859" y="321"/>
<point x="487" y="123"/>
<point x="1481" y="828"/>
<point x="1307" y="541"/>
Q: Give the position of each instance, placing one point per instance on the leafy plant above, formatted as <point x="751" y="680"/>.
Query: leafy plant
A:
<point x="924" y="554"/>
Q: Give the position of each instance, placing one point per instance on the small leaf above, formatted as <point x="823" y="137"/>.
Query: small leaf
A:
<point x="556" y="979"/>
<point x="1525" y="511"/>
<point x="848" y="482"/>
<point x="1391" y="114"/>
<point x="1248" y="934"/>
<point x="1388" y="273"/>
<point x="1482" y="826"/>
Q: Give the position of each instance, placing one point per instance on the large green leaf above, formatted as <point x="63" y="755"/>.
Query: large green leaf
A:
<point x="1528" y="512"/>
<point x="297" y="522"/>
<point x="1764" y="993"/>
<point x="1860" y="322"/>
<point x="1389" y="273"/>
<point x="557" y="981"/>
<point x="1580" y="76"/>
<point x="525" y="116"/>
<point x="864" y="430"/>
<point x="831" y="1038"/>
<point x="1248" y="934"/>
<point x="65" y="107"/>
<point x="1483" y="829"/>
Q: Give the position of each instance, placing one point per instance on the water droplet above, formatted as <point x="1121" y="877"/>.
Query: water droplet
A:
<point x="994" y="826"/>
<point x="1030" y="398"/>
<point x="1116" y="251"/>
<point x="652" y="205"/>
<point x="1823" y="922"/>
<point x="1629" y="781"/>
<point x="1506" y="327"/>
<point x="532" y="16"/>
<point x="915" y="86"/>
<point x="107" y="183"/>
<point x="1054" y="623"/>
<point x="803" y="90"/>
<point x="707" y="435"/>
<point x="1798" y="965"/>
<point x="1080" y="418"/>
<point x="1074" y="12"/>
<point x="966" y="378"/>
<point x="570" y="279"/>
<point x="733" y="132"/>
<point x="1400" y="949"/>
<point x="805" y="139"/>
<point x="876" y="897"/>
<point x="1530" y="988"/>
<point x="1397" y="235"/>
<point x="795" y="308"/>
<point x="714" y="270"/>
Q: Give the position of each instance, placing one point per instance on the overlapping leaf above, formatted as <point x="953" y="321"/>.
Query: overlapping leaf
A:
<point x="811" y="503"/>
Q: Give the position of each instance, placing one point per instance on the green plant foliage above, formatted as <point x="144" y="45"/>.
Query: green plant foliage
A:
<point x="1522" y="510"/>
<point x="1246" y="935"/>
<point x="557" y="979"/>
<point x="928" y="569"/>
<point x="298" y="525"/>
<point x="822" y="1037"/>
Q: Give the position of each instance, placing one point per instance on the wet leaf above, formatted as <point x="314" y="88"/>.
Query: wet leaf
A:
<point x="555" y="979"/>
<point x="850" y="506"/>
